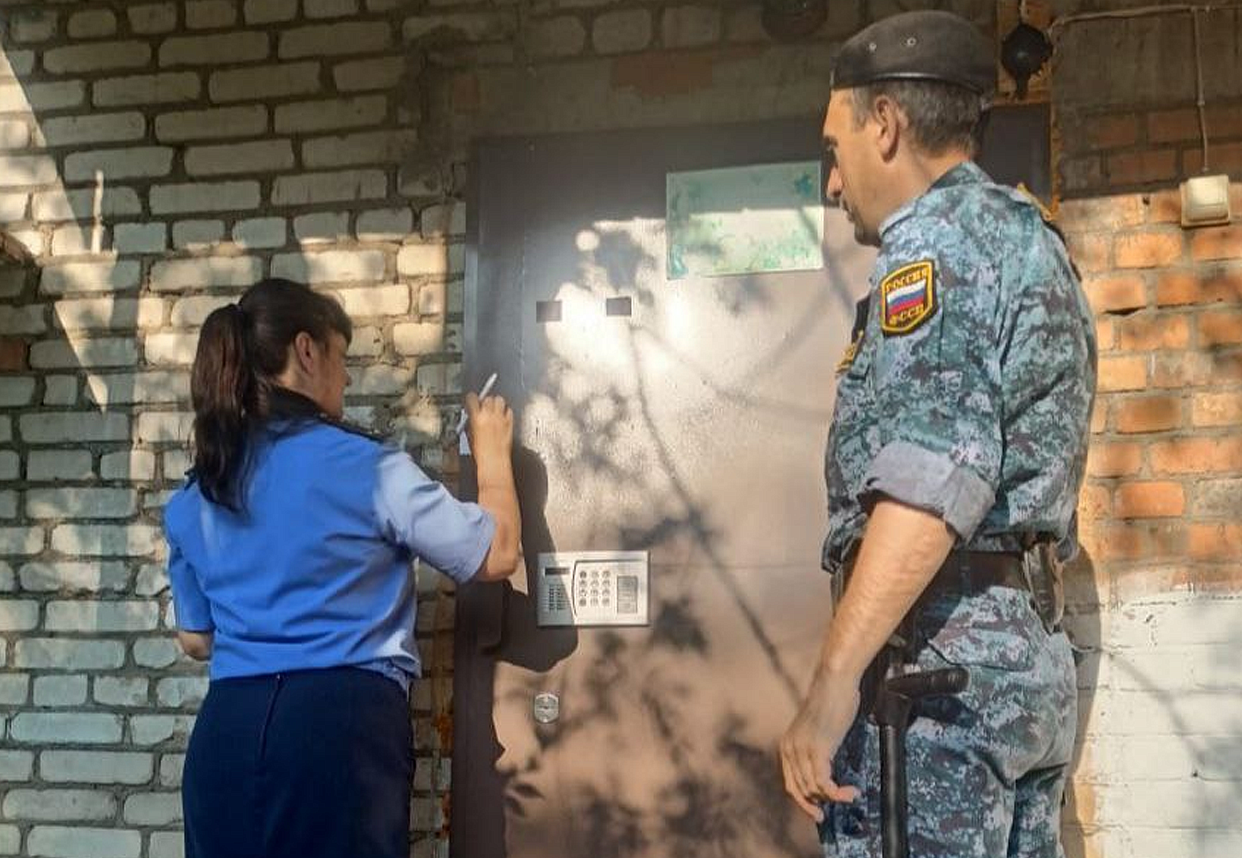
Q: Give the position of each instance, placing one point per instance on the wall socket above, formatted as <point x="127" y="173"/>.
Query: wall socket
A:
<point x="1205" y="201"/>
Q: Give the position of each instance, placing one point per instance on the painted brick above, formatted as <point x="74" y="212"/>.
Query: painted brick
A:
<point x="168" y="348"/>
<point x="209" y="14"/>
<point x="93" y="314"/>
<point x="121" y="691"/>
<point x="13" y="207"/>
<point x="13" y="135"/>
<point x="20" y="170"/>
<point x="343" y="186"/>
<point x="321" y="227"/>
<point x="351" y="37"/>
<point x="153" y="18"/>
<point x="51" y="841"/>
<point x="367" y="342"/>
<point x="73" y="426"/>
<point x="91" y="24"/>
<point x="171" y="768"/>
<point x="465" y="26"/>
<point x="41" y="97"/>
<point x="269" y="11"/>
<point x="443" y="219"/>
<point x="81" y="503"/>
<point x="152" y="579"/>
<point x="10" y="469"/>
<point x="138" y="388"/>
<point x="16" y="765"/>
<point x="58" y="805"/>
<point x="14" y="691"/>
<point x="155" y="652"/>
<point x="18" y="615"/>
<point x="95" y="540"/>
<point x="128" y="464"/>
<point x="153" y="729"/>
<point x="192" y="312"/>
<point x="160" y="88"/>
<point x="48" y="465"/>
<point x="554" y="37"/>
<point x="28" y="319"/>
<point x="74" y="240"/>
<point x="21" y="540"/>
<point x="61" y="728"/>
<point x="60" y="390"/>
<point x="369" y="147"/>
<point x="16" y="391"/>
<point x="198" y="234"/>
<point x="333" y="266"/>
<point x="329" y="114"/>
<point x="418" y="338"/>
<point x="238" y="46"/>
<point x="97" y="57"/>
<point x="178" y="691"/>
<point x="153" y="809"/>
<point x="79" y="205"/>
<point x="376" y="301"/>
<point x="381" y="380"/>
<point x="155" y="427"/>
<point x="211" y="124"/>
<point x="690" y="26"/>
<point x="74" y="576"/>
<point x="96" y="767"/>
<point x="329" y="8"/>
<point x="261" y="232"/>
<point x="256" y="157"/>
<point x="119" y="163"/>
<point x="103" y="351"/>
<point x="385" y="224"/>
<point x="169" y="844"/>
<point x="130" y="238"/>
<point x="359" y="75"/>
<point x="263" y="82"/>
<point x="622" y="31"/>
<point x="60" y="690"/>
<point x="204" y="197"/>
<point x="416" y="260"/>
<point x="30" y="25"/>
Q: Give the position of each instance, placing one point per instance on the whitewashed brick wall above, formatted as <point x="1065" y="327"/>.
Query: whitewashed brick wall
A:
<point x="326" y="140"/>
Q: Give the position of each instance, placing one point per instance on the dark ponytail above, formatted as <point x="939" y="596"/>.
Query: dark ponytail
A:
<point x="241" y="350"/>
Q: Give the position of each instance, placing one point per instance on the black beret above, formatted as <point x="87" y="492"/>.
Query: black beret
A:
<point x="927" y="45"/>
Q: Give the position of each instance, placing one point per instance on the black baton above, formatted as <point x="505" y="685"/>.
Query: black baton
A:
<point x="894" y="700"/>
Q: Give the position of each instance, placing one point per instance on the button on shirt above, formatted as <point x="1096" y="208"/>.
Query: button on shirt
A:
<point x="968" y="388"/>
<point x="316" y="570"/>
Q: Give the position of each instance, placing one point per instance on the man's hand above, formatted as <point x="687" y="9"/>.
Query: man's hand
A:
<point x="812" y="740"/>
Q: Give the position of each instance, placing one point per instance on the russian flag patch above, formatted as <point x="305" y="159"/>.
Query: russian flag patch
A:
<point x="909" y="298"/>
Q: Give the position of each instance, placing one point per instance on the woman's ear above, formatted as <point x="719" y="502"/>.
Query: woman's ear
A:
<point x="305" y="352"/>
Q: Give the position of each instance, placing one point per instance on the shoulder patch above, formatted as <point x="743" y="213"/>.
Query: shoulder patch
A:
<point x="909" y="298"/>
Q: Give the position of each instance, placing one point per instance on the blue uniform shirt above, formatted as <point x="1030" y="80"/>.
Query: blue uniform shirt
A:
<point x="316" y="571"/>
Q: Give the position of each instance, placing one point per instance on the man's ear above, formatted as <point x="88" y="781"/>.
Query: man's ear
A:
<point x="890" y="124"/>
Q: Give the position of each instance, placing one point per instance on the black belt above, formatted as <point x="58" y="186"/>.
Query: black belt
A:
<point x="968" y="572"/>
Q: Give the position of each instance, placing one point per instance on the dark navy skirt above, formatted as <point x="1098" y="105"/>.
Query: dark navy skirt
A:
<point x="312" y="764"/>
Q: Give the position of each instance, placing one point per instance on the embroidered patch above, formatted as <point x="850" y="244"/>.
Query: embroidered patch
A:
<point x="909" y="296"/>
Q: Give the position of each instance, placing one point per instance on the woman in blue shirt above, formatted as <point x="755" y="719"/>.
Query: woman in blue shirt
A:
<point x="290" y="554"/>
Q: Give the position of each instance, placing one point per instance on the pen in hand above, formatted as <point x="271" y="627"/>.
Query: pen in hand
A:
<point x="487" y="388"/>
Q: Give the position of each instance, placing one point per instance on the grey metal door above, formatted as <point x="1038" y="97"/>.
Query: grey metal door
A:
<point x="692" y="428"/>
<point x="688" y="422"/>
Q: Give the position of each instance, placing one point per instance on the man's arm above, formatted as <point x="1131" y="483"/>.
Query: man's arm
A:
<point x="901" y="550"/>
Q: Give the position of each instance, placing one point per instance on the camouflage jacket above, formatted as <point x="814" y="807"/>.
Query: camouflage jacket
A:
<point x="968" y="384"/>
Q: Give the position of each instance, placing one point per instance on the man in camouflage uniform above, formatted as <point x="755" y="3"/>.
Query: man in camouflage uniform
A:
<point x="953" y="466"/>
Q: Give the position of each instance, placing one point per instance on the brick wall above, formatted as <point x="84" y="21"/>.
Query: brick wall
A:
<point x="327" y="140"/>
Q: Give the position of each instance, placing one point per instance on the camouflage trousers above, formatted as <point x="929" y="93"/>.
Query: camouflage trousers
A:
<point x="986" y="768"/>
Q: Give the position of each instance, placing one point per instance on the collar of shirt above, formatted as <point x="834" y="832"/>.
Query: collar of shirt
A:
<point x="965" y="173"/>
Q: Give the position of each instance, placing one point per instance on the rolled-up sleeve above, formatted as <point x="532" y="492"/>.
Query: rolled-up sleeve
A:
<point x="192" y="608"/>
<point x="937" y="385"/>
<point x="420" y="514"/>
